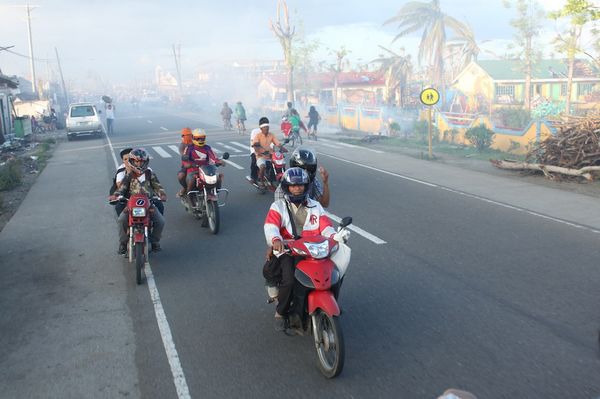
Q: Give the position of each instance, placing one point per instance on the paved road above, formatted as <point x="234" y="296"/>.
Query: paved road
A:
<point x="463" y="293"/>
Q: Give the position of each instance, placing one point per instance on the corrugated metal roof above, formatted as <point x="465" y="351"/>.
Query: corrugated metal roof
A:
<point x="543" y="69"/>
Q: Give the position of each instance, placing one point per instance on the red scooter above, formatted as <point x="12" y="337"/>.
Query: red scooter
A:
<point x="321" y="272"/>
<point x="274" y="170"/>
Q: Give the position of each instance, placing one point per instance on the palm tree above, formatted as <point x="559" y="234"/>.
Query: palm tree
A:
<point x="464" y="46"/>
<point x="417" y="16"/>
<point x="397" y="69"/>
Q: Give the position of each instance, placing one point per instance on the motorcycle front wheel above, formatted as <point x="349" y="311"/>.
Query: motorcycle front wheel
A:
<point x="213" y="217"/>
<point x="139" y="262"/>
<point x="329" y="343"/>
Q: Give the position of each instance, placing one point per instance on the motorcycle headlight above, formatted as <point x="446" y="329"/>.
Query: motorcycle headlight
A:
<point x="318" y="250"/>
<point x="138" y="212"/>
<point x="210" y="179"/>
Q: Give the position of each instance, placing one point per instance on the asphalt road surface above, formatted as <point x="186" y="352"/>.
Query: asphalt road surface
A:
<point x="443" y="290"/>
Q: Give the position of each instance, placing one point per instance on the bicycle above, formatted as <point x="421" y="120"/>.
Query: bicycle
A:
<point x="227" y="124"/>
<point x="241" y="127"/>
<point x="295" y="136"/>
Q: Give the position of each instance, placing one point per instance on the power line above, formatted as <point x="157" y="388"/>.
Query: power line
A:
<point x="26" y="56"/>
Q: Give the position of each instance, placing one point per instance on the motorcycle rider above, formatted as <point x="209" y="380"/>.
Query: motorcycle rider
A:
<point x="226" y="115"/>
<point x="253" y="167"/>
<point x="197" y="154"/>
<point x="297" y="211"/>
<point x="262" y="148"/>
<point x="307" y="159"/>
<point x="140" y="180"/>
<point x="186" y="140"/>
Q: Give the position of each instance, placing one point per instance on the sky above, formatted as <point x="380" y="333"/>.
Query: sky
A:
<point x="120" y="40"/>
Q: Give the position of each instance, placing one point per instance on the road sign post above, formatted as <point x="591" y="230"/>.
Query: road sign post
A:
<point x="430" y="97"/>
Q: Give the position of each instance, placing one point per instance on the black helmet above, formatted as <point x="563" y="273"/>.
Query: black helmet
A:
<point x="139" y="160"/>
<point x="305" y="159"/>
<point x="295" y="177"/>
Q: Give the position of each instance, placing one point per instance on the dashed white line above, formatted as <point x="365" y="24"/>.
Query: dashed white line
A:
<point x="179" y="380"/>
<point x="340" y="143"/>
<point x="149" y="121"/>
<point x="164" y="128"/>
<point x="330" y="146"/>
<point x="175" y="149"/>
<point x="358" y="230"/>
<point x="162" y="152"/>
<point x="245" y="147"/>
<point x="229" y="147"/>
<point x="235" y="165"/>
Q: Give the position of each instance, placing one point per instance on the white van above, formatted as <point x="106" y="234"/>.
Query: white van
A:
<point x="83" y="119"/>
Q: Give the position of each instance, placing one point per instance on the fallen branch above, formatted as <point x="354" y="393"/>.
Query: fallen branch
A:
<point x="585" y="172"/>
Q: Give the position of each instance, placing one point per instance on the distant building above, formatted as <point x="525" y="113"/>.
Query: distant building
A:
<point x="501" y="83"/>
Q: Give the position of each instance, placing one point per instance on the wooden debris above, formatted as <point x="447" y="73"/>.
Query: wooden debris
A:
<point x="573" y="152"/>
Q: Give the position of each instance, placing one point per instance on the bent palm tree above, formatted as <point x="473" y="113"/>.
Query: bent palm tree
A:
<point x="428" y="17"/>
<point x="397" y="69"/>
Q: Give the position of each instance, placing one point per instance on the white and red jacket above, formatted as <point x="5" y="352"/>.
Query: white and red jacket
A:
<point x="278" y="224"/>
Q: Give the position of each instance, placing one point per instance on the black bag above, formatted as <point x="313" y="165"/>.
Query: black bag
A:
<point x="272" y="271"/>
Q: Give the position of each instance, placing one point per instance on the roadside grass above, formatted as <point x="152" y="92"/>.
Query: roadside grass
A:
<point x="11" y="172"/>
<point x="419" y="148"/>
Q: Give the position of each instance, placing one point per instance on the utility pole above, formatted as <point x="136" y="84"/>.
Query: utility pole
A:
<point x="62" y="79"/>
<point x="177" y="55"/>
<point x="31" y="61"/>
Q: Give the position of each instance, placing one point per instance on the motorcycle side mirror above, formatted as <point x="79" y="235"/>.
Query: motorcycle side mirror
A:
<point x="346" y="221"/>
<point x="225" y="155"/>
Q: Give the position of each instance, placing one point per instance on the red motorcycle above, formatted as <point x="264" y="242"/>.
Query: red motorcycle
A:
<point x="139" y="207"/>
<point x="205" y="202"/>
<point x="321" y="271"/>
<point x="274" y="170"/>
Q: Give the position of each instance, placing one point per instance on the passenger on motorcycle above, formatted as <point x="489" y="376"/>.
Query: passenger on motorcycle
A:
<point x="262" y="148"/>
<point x="253" y="167"/>
<point x="186" y="140"/>
<point x="307" y="160"/>
<point x="198" y="154"/>
<point x="140" y="180"/>
<point x="296" y="212"/>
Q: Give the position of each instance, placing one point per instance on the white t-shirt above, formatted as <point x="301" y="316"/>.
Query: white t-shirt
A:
<point x="121" y="175"/>
<point x="252" y="136"/>
<point x="110" y="113"/>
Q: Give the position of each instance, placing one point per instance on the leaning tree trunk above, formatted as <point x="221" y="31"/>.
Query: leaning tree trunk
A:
<point x="290" y="84"/>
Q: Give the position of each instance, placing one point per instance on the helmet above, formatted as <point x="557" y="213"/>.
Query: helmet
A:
<point x="295" y="177"/>
<point x="138" y="160"/>
<point x="305" y="159"/>
<point x="199" y="137"/>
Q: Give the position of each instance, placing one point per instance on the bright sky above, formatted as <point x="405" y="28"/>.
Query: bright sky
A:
<point x="119" y="39"/>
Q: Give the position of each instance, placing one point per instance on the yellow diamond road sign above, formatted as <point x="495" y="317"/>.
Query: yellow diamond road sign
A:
<point x="430" y="96"/>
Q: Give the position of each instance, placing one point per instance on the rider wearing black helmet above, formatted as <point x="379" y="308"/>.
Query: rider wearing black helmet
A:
<point x="306" y="159"/>
<point x="140" y="179"/>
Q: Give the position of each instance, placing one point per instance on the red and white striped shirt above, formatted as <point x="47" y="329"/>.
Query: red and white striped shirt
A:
<point x="279" y="226"/>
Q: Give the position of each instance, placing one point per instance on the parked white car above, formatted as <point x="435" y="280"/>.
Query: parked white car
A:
<point x="83" y="119"/>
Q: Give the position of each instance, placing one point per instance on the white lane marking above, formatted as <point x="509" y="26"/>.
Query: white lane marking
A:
<point x="331" y="146"/>
<point x="239" y="156"/>
<point x="228" y="147"/>
<point x="149" y="121"/>
<point x="216" y="149"/>
<point x="372" y="150"/>
<point x="340" y="143"/>
<point x="175" y="149"/>
<point x="477" y="197"/>
<point x="164" y="128"/>
<point x="179" y="380"/>
<point x="235" y="165"/>
<point x="245" y="147"/>
<point x="181" y="386"/>
<point x="162" y="152"/>
<point x="360" y="231"/>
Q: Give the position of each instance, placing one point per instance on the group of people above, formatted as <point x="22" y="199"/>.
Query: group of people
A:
<point x="291" y="122"/>
<point x="298" y="206"/>
<point x="240" y="116"/>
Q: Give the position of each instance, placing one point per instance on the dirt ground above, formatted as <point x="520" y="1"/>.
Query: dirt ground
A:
<point x="11" y="199"/>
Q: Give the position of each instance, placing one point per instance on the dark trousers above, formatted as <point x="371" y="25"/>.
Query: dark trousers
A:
<point x="253" y="167"/>
<point x="292" y="294"/>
